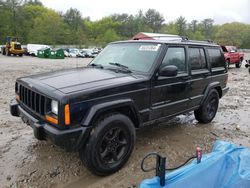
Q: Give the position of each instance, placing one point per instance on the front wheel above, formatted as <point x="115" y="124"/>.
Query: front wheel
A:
<point x="208" y="110"/>
<point x="238" y="65"/>
<point x="110" y="144"/>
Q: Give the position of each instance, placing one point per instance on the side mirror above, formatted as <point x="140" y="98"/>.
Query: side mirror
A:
<point x="168" y="71"/>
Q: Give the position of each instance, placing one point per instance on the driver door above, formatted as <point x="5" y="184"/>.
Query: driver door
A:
<point x="169" y="95"/>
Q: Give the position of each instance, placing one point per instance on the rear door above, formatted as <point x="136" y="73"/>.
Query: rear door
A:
<point x="200" y="74"/>
<point x="169" y="95"/>
<point x="218" y="66"/>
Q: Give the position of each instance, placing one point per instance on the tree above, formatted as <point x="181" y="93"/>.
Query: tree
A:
<point x="193" y="25"/>
<point x="181" y="26"/>
<point x="154" y="20"/>
<point x="246" y="38"/>
<point x="48" y="29"/>
<point x="73" y="18"/>
<point x="13" y="7"/>
<point x="169" y="28"/>
<point x="33" y="2"/>
<point x="76" y="32"/>
<point x="207" y="26"/>
<point x="109" y="36"/>
<point x="231" y="34"/>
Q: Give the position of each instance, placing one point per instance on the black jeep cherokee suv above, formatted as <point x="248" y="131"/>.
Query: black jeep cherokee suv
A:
<point x="96" y="109"/>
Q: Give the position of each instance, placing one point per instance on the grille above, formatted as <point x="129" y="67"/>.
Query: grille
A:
<point x="34" y="101"/>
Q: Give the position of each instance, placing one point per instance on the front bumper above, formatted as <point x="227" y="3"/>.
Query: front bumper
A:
<point x="69" y="139"/>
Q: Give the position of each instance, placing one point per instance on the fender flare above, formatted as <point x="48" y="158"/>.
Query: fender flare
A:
<point x="102" y="107"/>
<point x="209" y="87"/>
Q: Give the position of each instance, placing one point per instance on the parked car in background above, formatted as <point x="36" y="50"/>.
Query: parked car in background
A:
<point x="66" y="53"/>
<point x="32" y="49"/>
<point x="73" y="52"/>
<point x="88" y="53"/>
<point x="232" y="56"/>
<point x="82" y="53"/>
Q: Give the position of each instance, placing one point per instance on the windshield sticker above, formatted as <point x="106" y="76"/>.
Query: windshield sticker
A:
<point x="151" y="48"/>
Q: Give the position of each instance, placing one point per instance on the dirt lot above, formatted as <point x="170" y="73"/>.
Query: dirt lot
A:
<point x="27" y="162"/>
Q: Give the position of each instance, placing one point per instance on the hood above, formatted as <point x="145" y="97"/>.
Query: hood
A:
<point x="81" y="79"/>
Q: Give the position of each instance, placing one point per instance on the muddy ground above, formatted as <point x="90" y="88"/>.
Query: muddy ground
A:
<point x="27" y="162"/>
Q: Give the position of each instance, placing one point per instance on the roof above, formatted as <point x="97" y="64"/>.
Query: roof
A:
<point x="179" y="41"/>
<point x="167" y="38"/>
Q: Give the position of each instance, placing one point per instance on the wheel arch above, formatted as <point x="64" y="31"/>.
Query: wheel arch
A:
<point x="123" y="106"/>
<point x="214" y="85"/>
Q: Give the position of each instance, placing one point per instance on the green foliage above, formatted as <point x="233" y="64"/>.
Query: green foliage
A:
<point x="181" y="26"/>
<point x="231" y="34"/>
<point x="34" y="23"/>
<point x="48" y="28"/>
<point x="154" y="20"/>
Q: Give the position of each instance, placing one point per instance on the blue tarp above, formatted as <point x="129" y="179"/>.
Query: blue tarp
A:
<point x="228" y="166"/>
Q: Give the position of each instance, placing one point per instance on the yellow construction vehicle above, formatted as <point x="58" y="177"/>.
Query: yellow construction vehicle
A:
<point x="12" y="46"/>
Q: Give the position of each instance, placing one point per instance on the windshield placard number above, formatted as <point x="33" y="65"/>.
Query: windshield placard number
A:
<point x="151" y="48"/>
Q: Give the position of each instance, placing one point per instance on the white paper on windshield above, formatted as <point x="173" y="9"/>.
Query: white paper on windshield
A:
<point x="151" y="48"/>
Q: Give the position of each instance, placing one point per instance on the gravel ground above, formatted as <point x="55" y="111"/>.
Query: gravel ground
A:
<point x="27" y="162"/>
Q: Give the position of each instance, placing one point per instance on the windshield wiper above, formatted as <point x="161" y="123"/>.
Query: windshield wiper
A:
<point x="96" y="65"/>
<point x="123" y="67"/>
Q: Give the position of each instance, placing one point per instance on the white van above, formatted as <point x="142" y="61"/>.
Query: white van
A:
<point x="33" y="48"/>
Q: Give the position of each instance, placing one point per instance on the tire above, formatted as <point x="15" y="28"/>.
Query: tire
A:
<point x="8" y="53"/>
<point x="110" y="145"/>
<point x="208" y="110"/>
<point x="228" y="63"/>
<point x="238" y="65"/>
<point x="20" y="55"/>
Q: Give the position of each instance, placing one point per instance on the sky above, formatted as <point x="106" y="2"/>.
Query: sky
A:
<point x="221" y="11"/>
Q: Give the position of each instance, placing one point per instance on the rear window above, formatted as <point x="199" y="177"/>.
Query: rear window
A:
<point x="215" y="57"/>
<point x="197" y="58"/>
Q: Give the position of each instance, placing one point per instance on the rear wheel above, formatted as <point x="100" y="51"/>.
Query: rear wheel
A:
<point x="110" y="144"/>
<point x="228" y="63"/>
<point x="238" y="65"/>
<point x="208" y="109"/>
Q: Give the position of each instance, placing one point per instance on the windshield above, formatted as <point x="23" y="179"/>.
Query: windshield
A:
<point x="135" y="56"/>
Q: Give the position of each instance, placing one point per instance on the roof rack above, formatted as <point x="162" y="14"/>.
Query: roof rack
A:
<point x="202" y="41"/>
<point x="173" y="38"/>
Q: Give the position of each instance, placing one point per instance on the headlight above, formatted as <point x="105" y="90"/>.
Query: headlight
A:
<point x="54" y="107"/>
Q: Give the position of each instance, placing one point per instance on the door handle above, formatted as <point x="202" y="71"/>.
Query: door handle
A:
<point x="207" y="74"/>
<point x="185" y="78"/>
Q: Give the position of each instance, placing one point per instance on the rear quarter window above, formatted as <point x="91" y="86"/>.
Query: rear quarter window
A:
<point x="216" y="58"/>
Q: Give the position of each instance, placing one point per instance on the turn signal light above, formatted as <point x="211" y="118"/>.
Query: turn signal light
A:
<point x="51" y="119"/>
<point x="17" y="97"/>
<point x="66" y="114"/>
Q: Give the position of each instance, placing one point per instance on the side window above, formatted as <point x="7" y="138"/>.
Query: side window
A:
<point x="175" y="56"/>
<point x="216" y="58"/>
<point x="197" y="58"/>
